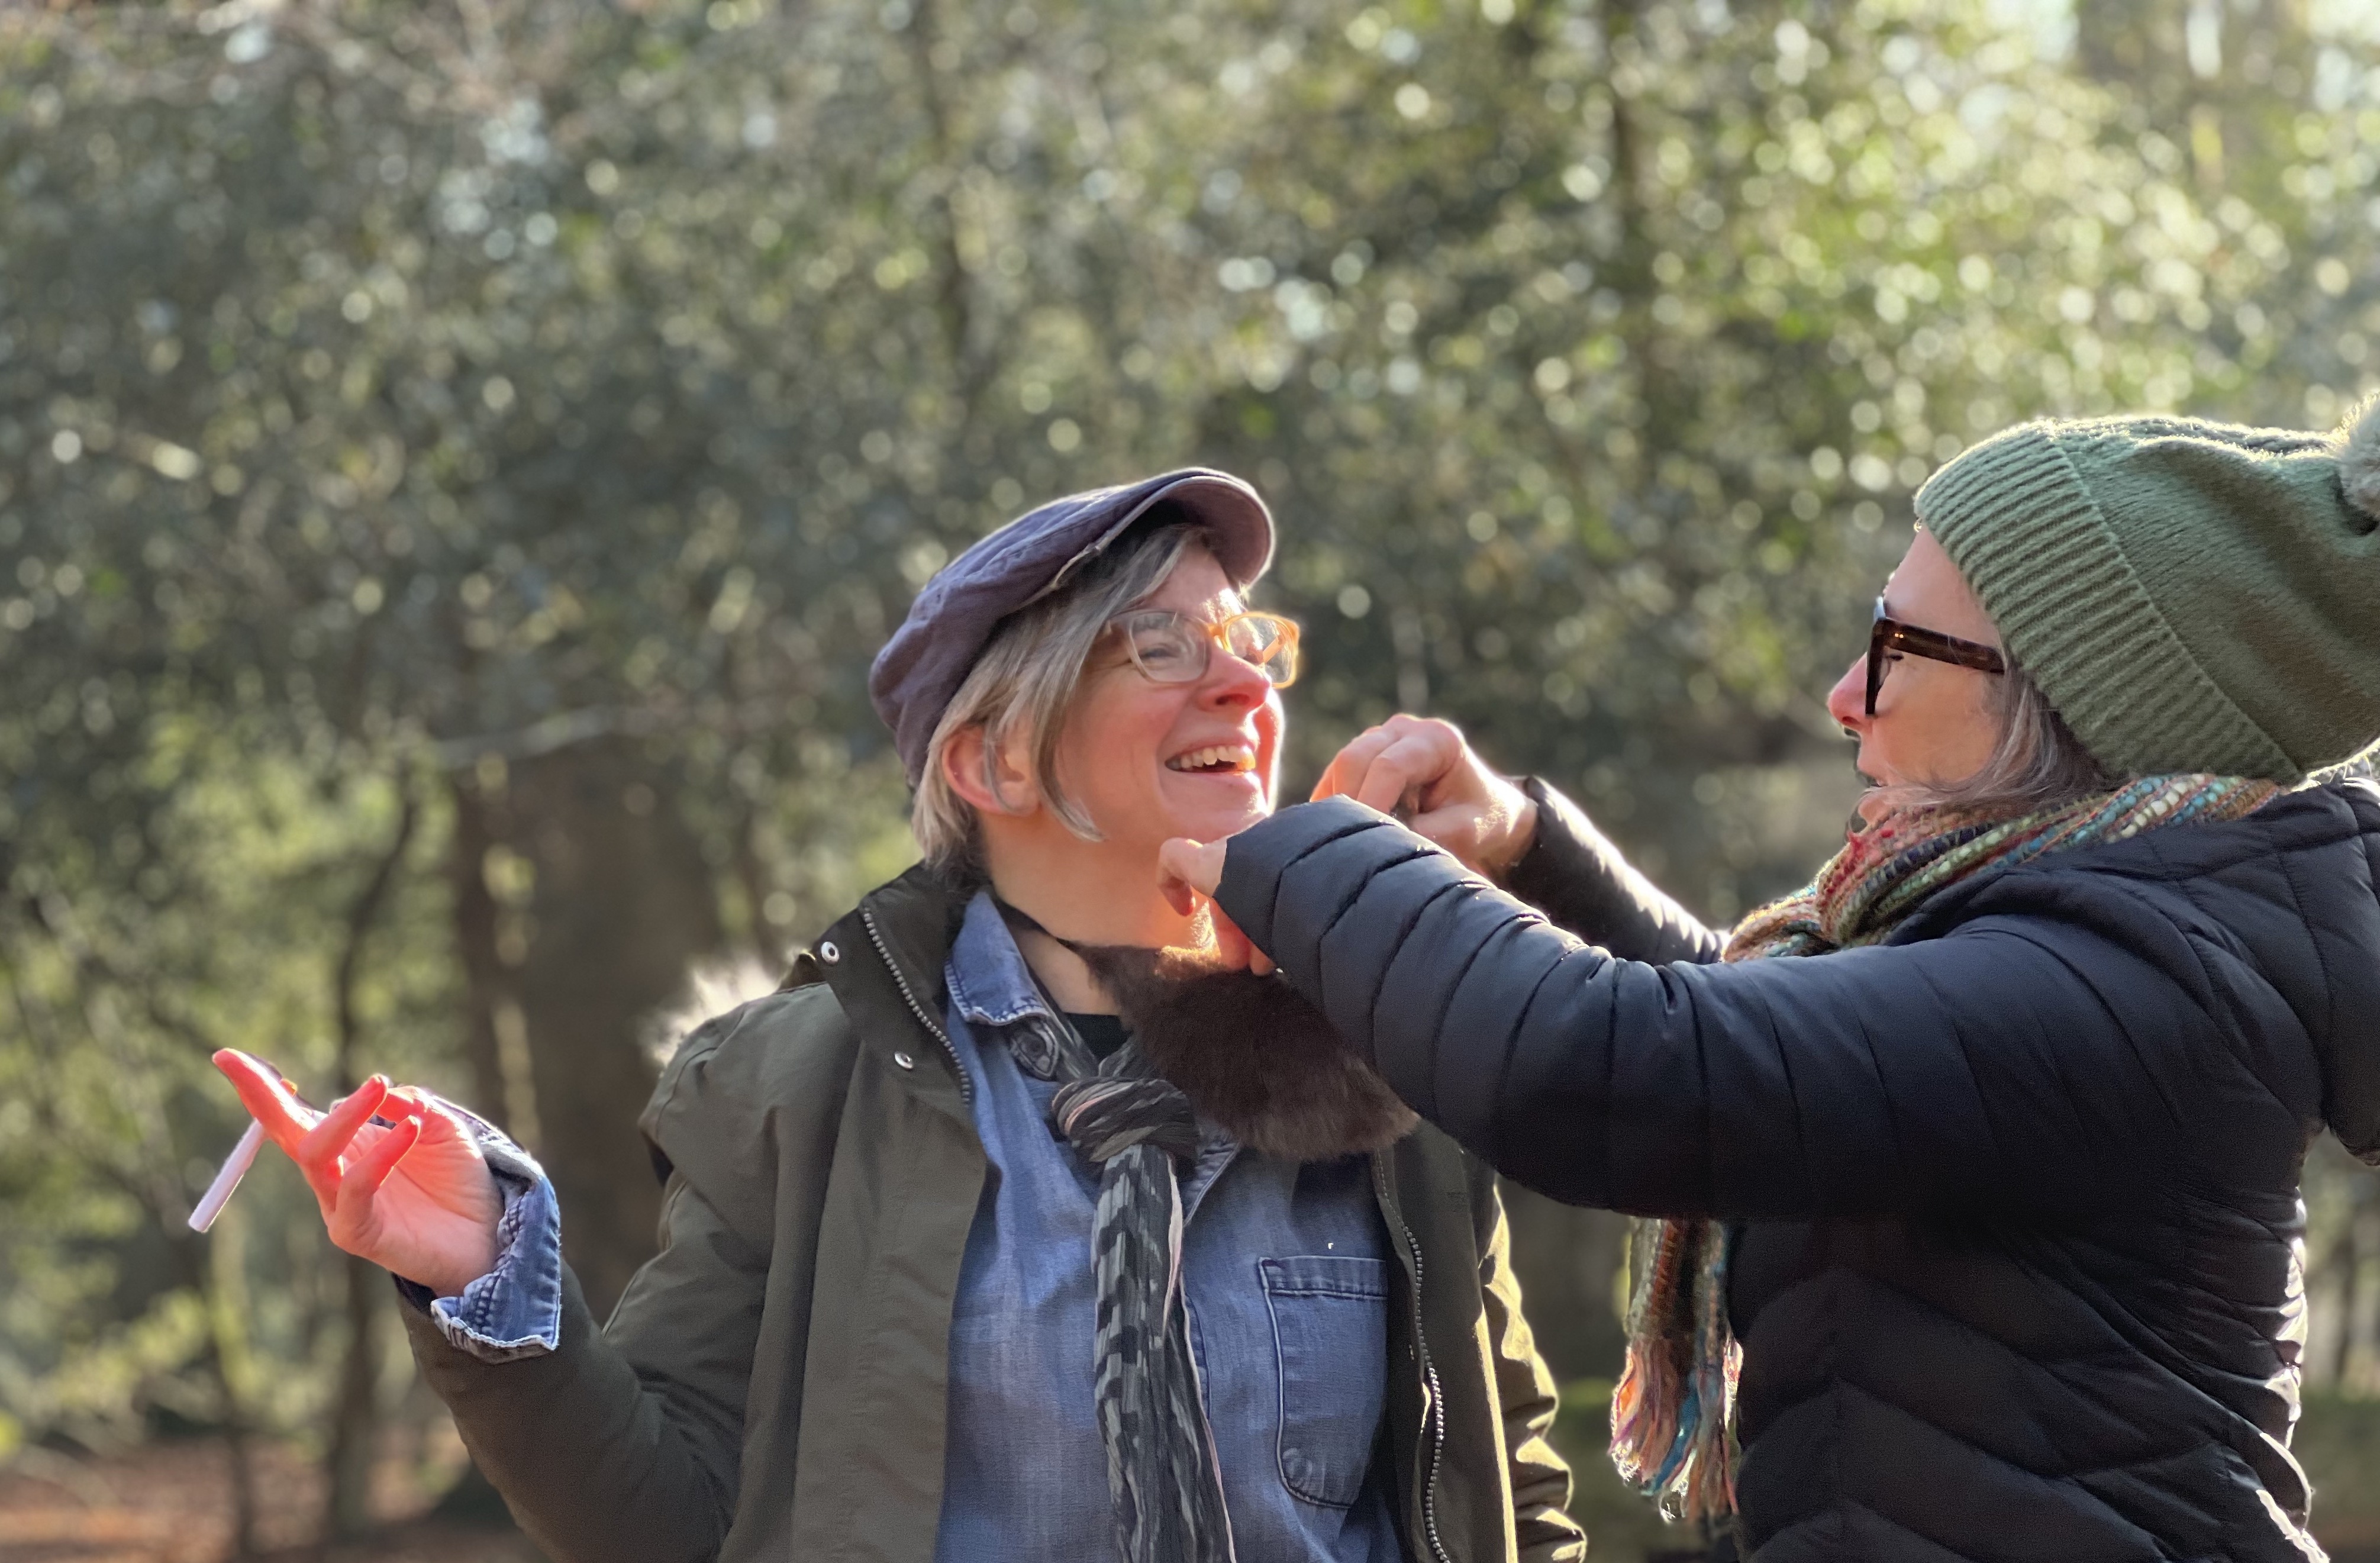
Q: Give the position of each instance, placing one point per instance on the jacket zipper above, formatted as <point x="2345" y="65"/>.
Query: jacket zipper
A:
<point x="908" y="996"/>
<point x="1428" y="1368"/>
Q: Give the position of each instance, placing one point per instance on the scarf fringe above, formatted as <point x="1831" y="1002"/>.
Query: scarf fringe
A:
<point x="1672" y="1432"/>
<point x="1673" y="1413"/>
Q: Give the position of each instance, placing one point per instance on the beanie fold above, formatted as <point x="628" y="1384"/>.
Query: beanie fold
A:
<point x="2022" y="524"/>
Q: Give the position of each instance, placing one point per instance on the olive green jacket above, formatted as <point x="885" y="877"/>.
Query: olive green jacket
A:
<point x="773" y="1383"/>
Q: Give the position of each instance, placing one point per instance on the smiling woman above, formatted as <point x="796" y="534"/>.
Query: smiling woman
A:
<point x="1067" y="807"/>
<point x="1076" y="705"/>
<point x="1074" y="1246"/>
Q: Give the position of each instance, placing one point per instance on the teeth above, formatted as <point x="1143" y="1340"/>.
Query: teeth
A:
<point x="1236" y="756"/>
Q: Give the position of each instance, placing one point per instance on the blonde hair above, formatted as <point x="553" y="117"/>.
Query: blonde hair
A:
<point x="1023" y="686"/>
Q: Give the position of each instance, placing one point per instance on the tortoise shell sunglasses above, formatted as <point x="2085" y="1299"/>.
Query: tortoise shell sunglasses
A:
<point x="1888" y="637"/>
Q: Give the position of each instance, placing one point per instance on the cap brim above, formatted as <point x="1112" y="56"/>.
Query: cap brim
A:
<point x="1238" y="526"/>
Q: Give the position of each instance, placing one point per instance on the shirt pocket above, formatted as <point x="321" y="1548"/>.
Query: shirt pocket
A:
<point x="1330" y="1342"/>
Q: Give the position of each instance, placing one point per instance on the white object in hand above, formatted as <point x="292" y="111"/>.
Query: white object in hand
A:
<point x="235" y="1167"/>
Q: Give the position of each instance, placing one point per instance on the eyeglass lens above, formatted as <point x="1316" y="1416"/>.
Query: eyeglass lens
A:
<point x="1171" y="648"/>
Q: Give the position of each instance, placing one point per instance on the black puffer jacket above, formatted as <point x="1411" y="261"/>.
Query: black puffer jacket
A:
<point x="2017" y="1279"/>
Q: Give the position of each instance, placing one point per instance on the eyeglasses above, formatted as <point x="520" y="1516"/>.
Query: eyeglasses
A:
<point x="1890" y="638"/>
<point x="1169" y="648"/>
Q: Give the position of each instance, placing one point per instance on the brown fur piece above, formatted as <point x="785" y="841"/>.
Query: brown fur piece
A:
<point x="1251" y="1054"/>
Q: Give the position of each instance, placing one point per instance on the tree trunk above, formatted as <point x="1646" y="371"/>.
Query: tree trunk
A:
<point x="219" y="1273"/>
<point x="623" y="904"/>
<point x="477" y="915"/>
<point x="2142" y="45"/>
<point x="355" y="1416"/>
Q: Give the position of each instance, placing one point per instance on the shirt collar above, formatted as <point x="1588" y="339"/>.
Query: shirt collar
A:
<point x="991" y="983"/>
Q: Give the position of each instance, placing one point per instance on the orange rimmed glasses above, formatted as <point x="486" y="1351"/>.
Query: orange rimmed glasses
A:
<point x="1169" y="648"/>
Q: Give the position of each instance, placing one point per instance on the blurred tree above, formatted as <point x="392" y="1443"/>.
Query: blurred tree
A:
<point x="549" y="407"/>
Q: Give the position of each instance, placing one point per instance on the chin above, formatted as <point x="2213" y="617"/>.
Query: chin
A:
<point x="1209" y="808"/>
<point x="1212" y="824"/>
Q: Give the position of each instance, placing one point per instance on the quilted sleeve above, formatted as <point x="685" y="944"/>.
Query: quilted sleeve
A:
<point x="1578" y="877"/>
<point x="2058" y="1060"/>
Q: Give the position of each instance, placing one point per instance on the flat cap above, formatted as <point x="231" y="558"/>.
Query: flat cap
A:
<point x="928" y="657"/>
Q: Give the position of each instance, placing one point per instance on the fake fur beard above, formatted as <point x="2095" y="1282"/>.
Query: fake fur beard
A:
<point x="1252" y="1055"/>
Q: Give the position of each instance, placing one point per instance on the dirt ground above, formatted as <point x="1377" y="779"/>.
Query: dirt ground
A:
<point x="170" y="1503"/>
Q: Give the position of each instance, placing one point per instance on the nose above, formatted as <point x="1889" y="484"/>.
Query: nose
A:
<point x="1231" y="685"/>
<point x="1847" y="701"/>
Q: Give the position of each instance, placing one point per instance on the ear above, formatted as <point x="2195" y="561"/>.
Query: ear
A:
<point x="963" y="769"/>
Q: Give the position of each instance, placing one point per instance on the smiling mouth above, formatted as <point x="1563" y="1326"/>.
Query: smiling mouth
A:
<point x="1216" y="759"/>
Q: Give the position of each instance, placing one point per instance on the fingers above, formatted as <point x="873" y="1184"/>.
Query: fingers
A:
<point x="1235" y="948"/>
<point x="367" y="1172"/>
<point x="1405" y="761"/>
<point x="1185" y="865"/>
<point x="1346" y="768"/>
<point x="1406" y="769"/>
<point x="318" y="1155"/>
<point x="1189" y="873"/>
<point x="440" y="1126"/>
<point x="285" y="1119"/>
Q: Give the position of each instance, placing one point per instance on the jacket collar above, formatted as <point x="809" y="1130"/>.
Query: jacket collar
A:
<point x="885" y="964"/>
<point x="989" y="982"/>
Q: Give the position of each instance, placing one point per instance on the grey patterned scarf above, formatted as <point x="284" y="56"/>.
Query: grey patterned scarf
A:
<point x="1164" y="1483"/>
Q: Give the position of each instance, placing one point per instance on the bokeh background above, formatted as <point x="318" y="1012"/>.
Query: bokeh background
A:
<point x="457" y="458"/>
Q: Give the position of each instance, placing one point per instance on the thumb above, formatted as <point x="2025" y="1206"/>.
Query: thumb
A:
<point x="1188" y="869"/>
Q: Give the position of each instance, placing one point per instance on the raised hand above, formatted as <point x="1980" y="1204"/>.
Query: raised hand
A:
<point x="416" y="1198"/>
<point x="1187" y="873"/>
<point x="1423" y="770"/>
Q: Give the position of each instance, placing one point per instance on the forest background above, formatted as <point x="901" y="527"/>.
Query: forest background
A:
<point x="457" y="459"/>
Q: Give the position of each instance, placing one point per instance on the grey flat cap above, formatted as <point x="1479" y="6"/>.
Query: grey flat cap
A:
<point x="927" y="658"/>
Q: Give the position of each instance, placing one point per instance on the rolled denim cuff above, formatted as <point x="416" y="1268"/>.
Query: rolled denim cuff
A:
<point x="514" y="1310"/>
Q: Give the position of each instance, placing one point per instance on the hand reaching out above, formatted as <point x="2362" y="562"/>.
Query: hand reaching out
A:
<point x="1187" y="872"/>
<point x="1426" y="768"/>
<point x="415" y="1198"/>
<point x="1413" y="765"/>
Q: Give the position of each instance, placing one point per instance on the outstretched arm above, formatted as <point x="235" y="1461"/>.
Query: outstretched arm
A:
<point x="1575" y="876"/>
<point x="1992" y="1064"/>
<point x="621" y="1447"/>
<point x="625" y="1443"/>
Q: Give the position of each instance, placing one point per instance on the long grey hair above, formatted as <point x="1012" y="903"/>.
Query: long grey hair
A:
<point x="2037" y="763"/>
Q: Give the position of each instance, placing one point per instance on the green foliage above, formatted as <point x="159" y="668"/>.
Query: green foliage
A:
<point x="392" y="404"/>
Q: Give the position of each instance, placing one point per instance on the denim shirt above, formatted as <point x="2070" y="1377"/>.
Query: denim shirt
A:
<point x="1284" y="1273"/>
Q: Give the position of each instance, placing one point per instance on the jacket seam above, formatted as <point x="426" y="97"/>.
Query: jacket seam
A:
<point x="1974" y="1079"/>
<point x="1884" y="1082"/>
<point x="1521" y="1028"/>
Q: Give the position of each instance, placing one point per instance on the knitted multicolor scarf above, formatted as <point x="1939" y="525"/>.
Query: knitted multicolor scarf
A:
<point x="1672" y="1416"/>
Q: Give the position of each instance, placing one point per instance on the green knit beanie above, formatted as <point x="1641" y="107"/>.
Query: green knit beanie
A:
<point x="2190" y="596"/>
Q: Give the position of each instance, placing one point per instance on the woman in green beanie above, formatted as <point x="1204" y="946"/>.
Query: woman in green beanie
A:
<point x="1971" y="1170"/>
